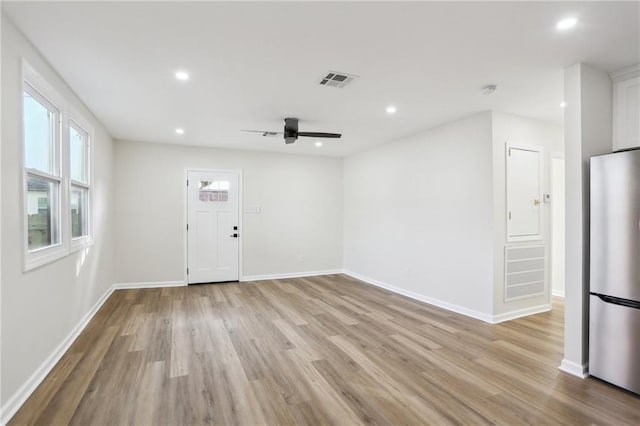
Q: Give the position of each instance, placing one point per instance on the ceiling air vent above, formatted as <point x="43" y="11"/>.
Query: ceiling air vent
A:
<point x="337" y="79"/>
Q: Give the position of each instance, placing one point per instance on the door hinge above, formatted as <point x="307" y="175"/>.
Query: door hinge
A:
<point x="509" y="215"/>
<point x="509" y="154"/>
<point x="187" y="182"/>
<point x="187" y="271"/>
<point x="187" y="226"/>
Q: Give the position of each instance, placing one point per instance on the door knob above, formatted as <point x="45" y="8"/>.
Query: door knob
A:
<point x="234" y="235"/>
<point x="536" y="202"/>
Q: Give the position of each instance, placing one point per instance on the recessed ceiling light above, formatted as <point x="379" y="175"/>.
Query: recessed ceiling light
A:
<point x="179" y="131"/>
<point x="563" y="104"/>
<point x="182" y="75"/>
<point x="318" y="144"/>
<point x="391" y="109"/>
<point x="567" y="23"/>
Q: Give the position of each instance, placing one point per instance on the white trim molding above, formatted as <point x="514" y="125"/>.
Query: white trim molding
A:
<point x="625" y="73"/>
<point x="151" y="284"/>
<point x="290" y="275"/>
<point x="14" y="403"/>
<point x="496" y="319"/>
<point x="557" y="293"/>
<point x="574" y="369"/>
<point x="422" y="298"/>
<point x="491" y="319"/>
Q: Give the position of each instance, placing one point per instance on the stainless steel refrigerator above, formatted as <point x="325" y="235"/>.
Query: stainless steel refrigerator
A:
<point x="614" y="301"/>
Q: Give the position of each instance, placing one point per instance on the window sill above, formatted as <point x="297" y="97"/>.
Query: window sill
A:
<point x="36" y="259"/>
<point x="81" y="243"/>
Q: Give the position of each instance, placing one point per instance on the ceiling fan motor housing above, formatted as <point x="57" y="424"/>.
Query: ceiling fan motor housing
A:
<point x="290" y="130"/>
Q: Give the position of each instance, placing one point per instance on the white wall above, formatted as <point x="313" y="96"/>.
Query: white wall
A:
<point x="418" y="214"/>
<point x="516" y="130"/>
<point x="557" y="226"/>
<point x="299" y="228"/>
<point x="588" y="132"/>
<point x="41" y="307"/>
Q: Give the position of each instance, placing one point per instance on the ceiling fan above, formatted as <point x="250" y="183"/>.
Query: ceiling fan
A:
<point x="291" y="133"/>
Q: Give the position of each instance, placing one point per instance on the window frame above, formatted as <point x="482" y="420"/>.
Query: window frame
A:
<point x="42" y="91"/>
<point x="77" y="120"/>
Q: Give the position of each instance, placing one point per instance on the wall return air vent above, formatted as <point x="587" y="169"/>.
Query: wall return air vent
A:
<point x="337" y="79"/>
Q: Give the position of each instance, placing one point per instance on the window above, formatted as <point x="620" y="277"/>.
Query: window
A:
<point x="43" y="182"/>
<point x="57" y="191"/>
<point x="79" y="173"/>
<point x="217" y="190"/>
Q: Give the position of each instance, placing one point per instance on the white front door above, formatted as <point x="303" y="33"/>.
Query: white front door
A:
<point x="524" y="194"/>
<point x="212" y="226"/>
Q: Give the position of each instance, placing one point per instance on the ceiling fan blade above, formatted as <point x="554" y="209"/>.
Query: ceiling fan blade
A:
<point x="320" y="135"/>
<point x="264" y="132"/>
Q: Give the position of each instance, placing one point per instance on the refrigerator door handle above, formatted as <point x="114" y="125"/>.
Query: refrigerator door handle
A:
<point x="618" y="301"/>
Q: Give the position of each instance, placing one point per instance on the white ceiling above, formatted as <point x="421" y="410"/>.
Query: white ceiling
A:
<point x="252" y="64"/>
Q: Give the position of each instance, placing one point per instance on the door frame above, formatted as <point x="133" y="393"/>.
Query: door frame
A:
<point x="541" y="182"/>
<point x="552" y="224"/>
<point x="185" y="217"/>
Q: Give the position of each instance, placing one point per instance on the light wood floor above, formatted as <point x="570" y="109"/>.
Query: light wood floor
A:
<point x="325" y="350"/>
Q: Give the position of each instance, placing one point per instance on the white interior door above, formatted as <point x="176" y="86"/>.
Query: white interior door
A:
<point x="212" y="226"/>
<point x="524" y="194"/>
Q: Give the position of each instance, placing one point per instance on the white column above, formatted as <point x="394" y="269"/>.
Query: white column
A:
<point x="588" y="132"/>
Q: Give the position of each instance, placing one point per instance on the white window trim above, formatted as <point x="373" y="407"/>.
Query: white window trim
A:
<point x="85" y="241"/>
<point x="35" y="258"/>
<point x="67" y="114"/>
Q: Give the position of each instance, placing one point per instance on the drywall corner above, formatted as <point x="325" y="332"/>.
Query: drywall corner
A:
<point x="588" y="132"/>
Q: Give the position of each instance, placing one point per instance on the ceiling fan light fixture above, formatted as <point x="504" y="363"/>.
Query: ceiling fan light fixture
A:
<point x="391" y="109"/>
<point x="318" y="144"/>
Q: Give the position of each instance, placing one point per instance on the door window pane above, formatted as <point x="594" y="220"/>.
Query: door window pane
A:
<point x="217" y="190"/>
<point x="39" y="135"/>
<point x="43" y="197"/>
<point x="79" y="208"/>
<point x="78" y="154"/>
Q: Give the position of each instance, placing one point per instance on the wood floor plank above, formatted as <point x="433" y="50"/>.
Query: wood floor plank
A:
<point x="63" y="405"/>
<point x="316" y="351"/>
<point x="49" y="388"/>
